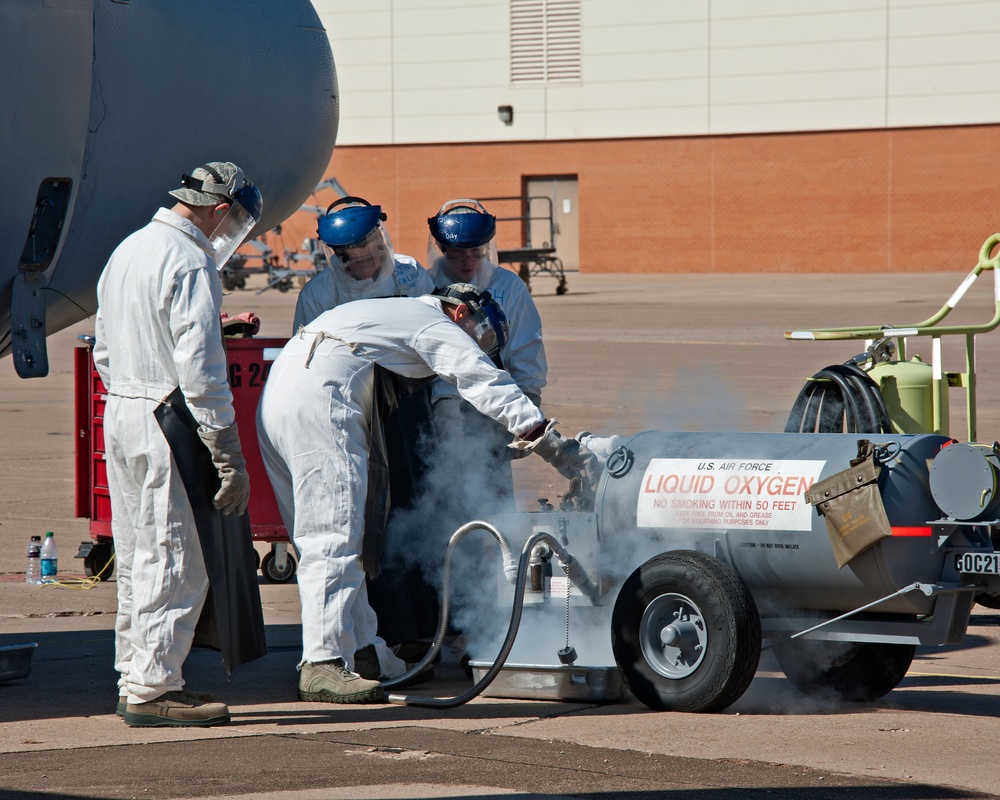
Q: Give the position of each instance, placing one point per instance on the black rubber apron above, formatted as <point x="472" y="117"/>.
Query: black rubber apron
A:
<point x="393" y="463"/>
<point x="232" y="621"/>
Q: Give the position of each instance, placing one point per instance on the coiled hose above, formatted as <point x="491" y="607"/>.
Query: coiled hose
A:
<point x="840" y="398"/>
<point x="516" y="573"/>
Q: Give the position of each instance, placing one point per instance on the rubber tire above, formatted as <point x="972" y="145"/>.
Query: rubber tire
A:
<point x="733" y="646"/>
<point x="854" y="672"/>
<point x="98" y="562"/>
<point x="271" y="573"/>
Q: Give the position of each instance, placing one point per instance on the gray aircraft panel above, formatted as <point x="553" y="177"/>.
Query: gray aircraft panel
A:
<point x="115" y="100"/>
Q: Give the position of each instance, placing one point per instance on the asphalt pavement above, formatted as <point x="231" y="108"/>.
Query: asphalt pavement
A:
<point x="626" y="353"/>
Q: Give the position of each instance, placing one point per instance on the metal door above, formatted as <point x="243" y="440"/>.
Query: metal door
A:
<point x="564" y="192"/>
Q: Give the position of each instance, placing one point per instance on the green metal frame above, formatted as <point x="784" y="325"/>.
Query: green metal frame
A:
<point x="941" y="380"/>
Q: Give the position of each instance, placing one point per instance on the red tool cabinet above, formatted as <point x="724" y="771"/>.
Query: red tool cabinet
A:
<point x="249" y="363"/>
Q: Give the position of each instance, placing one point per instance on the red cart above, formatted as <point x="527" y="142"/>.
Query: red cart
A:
<point x="249" y="363"/>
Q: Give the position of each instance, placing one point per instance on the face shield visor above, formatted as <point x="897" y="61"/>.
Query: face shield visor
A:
<point x="245" y="206"/>
<point x="364" y="261"/>
<point x="462" y="242"/>
<point x="230" y="234"/>
<point x="354" y="240"/>
<point x="486" y="323"/>
<point x="487" y="332"/>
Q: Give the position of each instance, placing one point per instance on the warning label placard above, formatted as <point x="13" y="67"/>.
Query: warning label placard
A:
<point x="723" y="493"/>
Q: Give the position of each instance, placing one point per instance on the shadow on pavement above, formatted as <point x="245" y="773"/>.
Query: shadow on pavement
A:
<point x="73" y="675"/>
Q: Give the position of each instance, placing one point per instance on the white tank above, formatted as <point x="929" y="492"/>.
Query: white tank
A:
<point x="740" y="497"/>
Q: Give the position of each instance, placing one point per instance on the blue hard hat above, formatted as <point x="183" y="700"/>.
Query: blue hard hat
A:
<point x="463" y="226"/>
<point x="350" y="224"/>
<point x="249" y="197"/>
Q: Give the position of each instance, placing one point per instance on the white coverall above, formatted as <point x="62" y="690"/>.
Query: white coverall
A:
<point x="313" y="424"/>
<point x="157" y="329"/>
<point x="333" y="287"/>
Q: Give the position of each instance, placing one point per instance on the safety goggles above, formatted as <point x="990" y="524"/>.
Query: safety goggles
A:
<point x="474" y="253"/>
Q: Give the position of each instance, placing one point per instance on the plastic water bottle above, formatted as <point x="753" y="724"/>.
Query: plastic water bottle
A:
<point x="33" y="570"/>
<point x="50" y="559"/>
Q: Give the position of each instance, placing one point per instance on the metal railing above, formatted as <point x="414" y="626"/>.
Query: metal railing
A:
<point x="941" y="381"/>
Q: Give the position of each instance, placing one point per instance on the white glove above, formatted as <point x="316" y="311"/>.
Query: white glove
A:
<point x="568" y="456"/>
<point x="600" y="446"/>
<point x="224" y="445"/>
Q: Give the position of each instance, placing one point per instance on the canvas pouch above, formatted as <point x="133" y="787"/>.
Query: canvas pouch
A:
<point x="851" y="505"/>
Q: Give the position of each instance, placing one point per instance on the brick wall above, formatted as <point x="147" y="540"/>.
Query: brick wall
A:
<point x="900" y="200"/>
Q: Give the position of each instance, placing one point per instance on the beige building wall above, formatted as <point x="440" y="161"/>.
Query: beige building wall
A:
<point x="723" y="135"/>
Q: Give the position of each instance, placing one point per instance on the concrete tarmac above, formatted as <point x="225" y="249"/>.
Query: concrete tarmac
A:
<point x="626" y="353"/>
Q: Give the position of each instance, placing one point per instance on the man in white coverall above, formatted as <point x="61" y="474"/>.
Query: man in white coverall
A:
<point x="461" y="248"/>
<point x="362" y="263"/>
<point x="158" y="329"/>
<point x="314" y="427"/>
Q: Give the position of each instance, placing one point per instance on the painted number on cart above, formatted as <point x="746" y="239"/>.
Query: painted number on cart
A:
<point x="982" y="563"/>
<point x="255" y="374"/>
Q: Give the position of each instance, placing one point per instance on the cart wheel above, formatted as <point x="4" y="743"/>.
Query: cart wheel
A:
<point x="686" y="633"/>
<point x="271" y="573"/>
<point x="561" y="288"/>
<point x="855" y="672"/>
<point x="100" y="561"/>
<point x="256" y="559"/>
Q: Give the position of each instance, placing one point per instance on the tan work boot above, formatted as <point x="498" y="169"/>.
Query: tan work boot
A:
<point x="176" y="709"/>
<point x="204" y="697"/>
<point x="332" y="682"/>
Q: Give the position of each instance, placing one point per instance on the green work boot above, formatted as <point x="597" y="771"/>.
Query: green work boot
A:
<point x="332" y="682"/>
<point x="177" y="710"/>
<point x="204" y="697"/>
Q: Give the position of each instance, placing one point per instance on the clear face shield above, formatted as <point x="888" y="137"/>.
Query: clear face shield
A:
<point x="485" y="321"/>
<point x="245" y="206"/>
<point x="462" y="265"/>
<point x="365" y="261"/>
<point x="230" y="233"/>
<point x="481" y="328"/>
<point x="462" y="242"/>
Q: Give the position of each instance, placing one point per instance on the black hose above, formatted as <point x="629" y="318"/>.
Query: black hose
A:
<point x="840" y="398"/>
<point x="574" y="571"/>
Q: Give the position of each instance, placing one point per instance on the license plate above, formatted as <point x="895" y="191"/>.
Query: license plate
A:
<point x="979" y="563"/>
